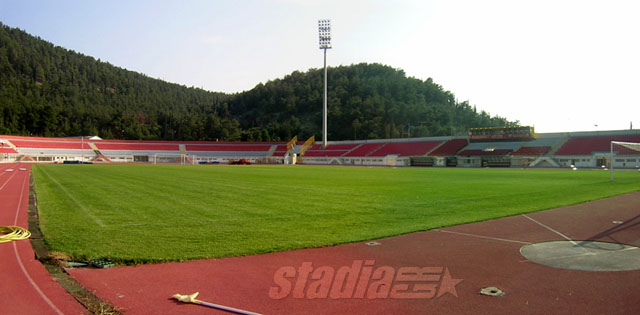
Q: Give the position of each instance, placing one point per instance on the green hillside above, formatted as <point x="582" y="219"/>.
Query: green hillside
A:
<point x="47" y="90"/>
<point x="365" y="101"/>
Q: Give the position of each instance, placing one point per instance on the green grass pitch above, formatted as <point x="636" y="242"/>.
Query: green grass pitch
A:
<point x="153" y="213"/>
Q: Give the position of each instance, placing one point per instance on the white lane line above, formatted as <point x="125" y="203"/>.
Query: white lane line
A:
<point x="486" y="237"/>
<point x="593" y="253"/>
<point x="8" y="180"/>
<point x="590" y="253"/>
<point x="550" y="229"/>
<point x="564" y="236"/>
<point x="24" y="270"/>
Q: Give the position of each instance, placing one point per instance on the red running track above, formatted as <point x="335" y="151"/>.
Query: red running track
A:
<point x="25" y="286"/>
<point x="463" y="259"/>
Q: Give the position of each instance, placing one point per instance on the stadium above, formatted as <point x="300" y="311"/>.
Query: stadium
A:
<point x="483" y="147"/>
<point x="146" y="220"/>
<point x="464" y="220"/>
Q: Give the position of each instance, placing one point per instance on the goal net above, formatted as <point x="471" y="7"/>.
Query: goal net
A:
<point x="182" y="159"/>
<point x="621" y="149"/>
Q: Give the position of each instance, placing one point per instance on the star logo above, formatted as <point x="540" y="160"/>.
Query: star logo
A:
<point x="448" y="284"/>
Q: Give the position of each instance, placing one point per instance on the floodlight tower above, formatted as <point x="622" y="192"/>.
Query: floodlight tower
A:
<point x="324" y="29"/>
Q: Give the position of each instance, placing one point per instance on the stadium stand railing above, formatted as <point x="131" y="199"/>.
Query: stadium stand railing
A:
<point x="306" y="145"/>
<point x="99" y="156"/>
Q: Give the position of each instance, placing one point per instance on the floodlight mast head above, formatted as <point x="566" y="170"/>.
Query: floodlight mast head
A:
<point x="324" y="29"/>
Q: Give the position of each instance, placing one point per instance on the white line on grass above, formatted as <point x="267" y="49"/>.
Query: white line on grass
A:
<point x="78" y="203"/>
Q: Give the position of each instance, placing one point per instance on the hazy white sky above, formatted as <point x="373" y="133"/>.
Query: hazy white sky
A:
<point x="559" y="65"/>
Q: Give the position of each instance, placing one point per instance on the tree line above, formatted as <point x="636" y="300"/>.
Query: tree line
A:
<point x="47" y="90"/>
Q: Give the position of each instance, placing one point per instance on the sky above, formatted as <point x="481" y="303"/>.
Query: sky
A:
<point x="557" y="65"/>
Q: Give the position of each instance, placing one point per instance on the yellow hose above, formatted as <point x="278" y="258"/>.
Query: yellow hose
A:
<point x="13" y="233"/>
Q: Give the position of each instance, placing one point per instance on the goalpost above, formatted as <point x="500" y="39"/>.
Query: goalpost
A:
<point x="629" y="145"/>
<point x="182" y="159"/>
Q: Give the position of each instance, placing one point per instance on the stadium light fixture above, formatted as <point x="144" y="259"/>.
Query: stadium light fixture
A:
<point x="324" y="30"/>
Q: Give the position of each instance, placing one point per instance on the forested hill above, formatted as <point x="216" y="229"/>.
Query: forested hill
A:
<point x="365" y="101"/>
<point x="46" y="90"/>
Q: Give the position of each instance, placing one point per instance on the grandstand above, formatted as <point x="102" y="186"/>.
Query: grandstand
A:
<point x="364" y="149"/>
<point x="593" y="150"/>
<point x="489" y="147"/>
<point x="333" y="150"/>
<point x="406" y="148"/>
<point x="7" y="153"/>
<point x="450" y="147"/>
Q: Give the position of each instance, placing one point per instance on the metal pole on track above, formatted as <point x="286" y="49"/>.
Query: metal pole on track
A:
<point x="191" y="298"/>
<point x="611" y="159"/>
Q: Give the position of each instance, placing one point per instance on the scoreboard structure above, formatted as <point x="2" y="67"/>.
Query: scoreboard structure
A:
<point x="518" y="133"/>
